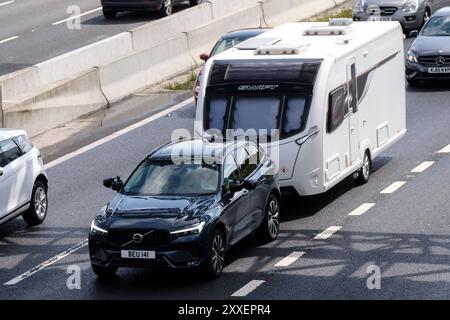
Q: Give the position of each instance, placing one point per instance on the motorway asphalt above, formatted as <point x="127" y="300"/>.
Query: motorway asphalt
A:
<point x="28" y="34"/>
<point x="405" y="233"/>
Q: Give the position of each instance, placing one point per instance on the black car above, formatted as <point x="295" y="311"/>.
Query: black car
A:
<point x="429" y="56"/>
<point x="163" y="7"/>
<point x="181" y="214"/>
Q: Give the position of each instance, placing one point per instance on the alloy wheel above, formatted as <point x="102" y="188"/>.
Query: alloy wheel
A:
<point x="218" y="253"/>
<point x="168" y="7"/>
<point x="273" y="218"/>
<point x="40" y="202"/>
<point x="366" y="167"/>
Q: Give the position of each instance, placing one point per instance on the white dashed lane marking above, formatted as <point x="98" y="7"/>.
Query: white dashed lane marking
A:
<point x="422" y="167"/>
<point x="8" y="39"/>
<point x="327" y="233"/>
<point x="77" y="16"/>
<point x="290" y="259"/>
<point x="47" y="263"/>
<point x="6" y="3"/>
<point x="445" y="149"/>
<point x="394" y="187"/>
<point x="361" y="209"/>
<point x="248" y="288"/>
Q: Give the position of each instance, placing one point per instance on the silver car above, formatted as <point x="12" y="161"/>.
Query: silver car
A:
<point x="412" y="14"/>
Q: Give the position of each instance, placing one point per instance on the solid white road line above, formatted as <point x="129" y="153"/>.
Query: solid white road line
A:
<point x="327" y="233"/>
<point x="77" y="16"/>
<point x="361" y="209"/>
<point x="445" y="149"/>
<point x="8" y="39"/>
<point x="47" y="263"/>
<point x="248" y="288"/>
<point x="394" y="187"/>
<point x="422" y="167"/>
<point x="118" y="133"/>
<point x="6" y="3"/>
<point x="290" y="259"/>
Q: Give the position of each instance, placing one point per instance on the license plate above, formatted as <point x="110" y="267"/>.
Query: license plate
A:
<point x="439" y="70"/>
<point x="137" y="254"/>
<point x="378" y="18"/>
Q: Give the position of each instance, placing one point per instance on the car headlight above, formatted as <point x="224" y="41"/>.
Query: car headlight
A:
<point x="97" y="230"/>
<point x="359" y="6"/>
<point x="192" y="230"/>
<point x="411" y="56"/>
<point x="411" y="6"/>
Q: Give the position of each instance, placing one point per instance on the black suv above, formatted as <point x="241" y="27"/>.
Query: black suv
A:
<point x="186" y="212"/>
<point x="163" y="7"/>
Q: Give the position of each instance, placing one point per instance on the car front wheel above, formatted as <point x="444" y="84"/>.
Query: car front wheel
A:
<point x="215" y="261"/>
<point x="166" y="8"/>
<point x="270" y="227"/>
<point x="364" y="172"/>
<point x="38" y="205"/>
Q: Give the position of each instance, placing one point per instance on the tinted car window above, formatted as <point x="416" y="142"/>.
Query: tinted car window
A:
<point x="230" y="169"/>
<point x="437" y="27"/>
<point x="337" y="109"/>
<point x="9" y="152"/>
<point x="216" y="112"/>
<point x="253" y="161"/>
<point x="163" y="178"/>
<point x="24" y="144"/>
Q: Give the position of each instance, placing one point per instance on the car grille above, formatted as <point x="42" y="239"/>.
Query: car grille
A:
<point x="431" y="61"/>
<point x="121" y="237"/>
<point x="384" y="11"/>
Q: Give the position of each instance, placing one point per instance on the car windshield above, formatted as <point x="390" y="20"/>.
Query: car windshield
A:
<point x="437" y="27"/>
<point x="226" y="44"/>
<point x="164" y="178"/>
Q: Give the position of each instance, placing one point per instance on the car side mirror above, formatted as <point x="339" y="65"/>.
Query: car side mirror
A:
<point x="204" y="56"/>
<point x="1" y="171"/>
<point x="113" y="183"/>
<point x="414" y="34"/>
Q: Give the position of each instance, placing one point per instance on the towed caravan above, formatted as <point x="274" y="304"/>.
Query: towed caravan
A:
<point x="334" y="93"/>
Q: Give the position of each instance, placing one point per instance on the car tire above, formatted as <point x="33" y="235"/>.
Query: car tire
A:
<point x="166" y="8"/>
<point x="413" y="82"/>
<point x="365" y="171"/>
<point x="270" y="227"/>
<point x="109" y="14"/>
<point x="104" y="272"/>
<point x="38" y="205"/>
<point x="195" y="2"/>
<point x="215" y="260"/>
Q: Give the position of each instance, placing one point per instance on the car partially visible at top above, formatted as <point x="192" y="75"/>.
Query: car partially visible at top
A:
<point x="163" y="7"/>
<point x="226" y="42"/>
<point x="428" y="58"/>
<point x="412" y="14"/>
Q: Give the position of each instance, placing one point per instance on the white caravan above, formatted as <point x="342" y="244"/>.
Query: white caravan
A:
<point x="335" y="92"/>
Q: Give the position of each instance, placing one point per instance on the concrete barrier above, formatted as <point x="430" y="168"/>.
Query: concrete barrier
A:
<point x="158" y="31"/>
<point x="221" y="9"/>
<point x="277" y="12"/>
<point x="19" y="82"/>
<point x="121" y="78"/>
<point x="203" y="38"/>
<point x="56" y="104"/>
<point x="102" y="52"/>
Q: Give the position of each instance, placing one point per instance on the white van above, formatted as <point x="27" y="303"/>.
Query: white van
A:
<point x="23" y="181"/>
<point x="334" y="91"/>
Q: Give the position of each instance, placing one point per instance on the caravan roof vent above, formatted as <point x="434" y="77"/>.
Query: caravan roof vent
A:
<point x="281" y="49"/>
<point x="328" y="30"/>
<point x="342" y="22"/>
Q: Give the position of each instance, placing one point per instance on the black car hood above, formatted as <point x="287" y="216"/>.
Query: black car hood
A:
<point x="431" y="46"/>
<point x="156" y="212"/>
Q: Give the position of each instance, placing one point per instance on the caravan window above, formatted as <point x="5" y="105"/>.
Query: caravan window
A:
<point x="256" y="113"/>
<point x="216" y="113"/>
<point x="293" y="118"/>
<point x="337" y="108"/>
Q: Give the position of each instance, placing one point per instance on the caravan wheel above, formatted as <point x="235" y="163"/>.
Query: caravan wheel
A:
<point x="364" y="172"/>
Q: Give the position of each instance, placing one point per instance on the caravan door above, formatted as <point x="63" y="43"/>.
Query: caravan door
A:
<point x="352" y="100"/>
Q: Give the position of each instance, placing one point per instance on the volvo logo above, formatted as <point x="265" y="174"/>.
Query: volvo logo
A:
<point x="137" y="238"/>
<point x="440" y="61"/>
